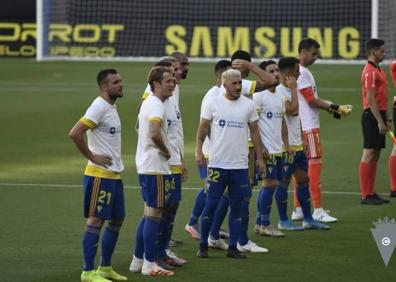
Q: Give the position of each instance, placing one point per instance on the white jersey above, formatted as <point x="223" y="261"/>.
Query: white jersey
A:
<point x="309" y="115"/>
<point x="229" y="131"/>
<point x="174" y="123"/>
<point x="293" y="122"/>
<point x="148" y="158"/>
<point x="104" y="138"/>
<point x="212" y="92"/>
<point x="174" y="131"/>
<point x="271" y="110"/>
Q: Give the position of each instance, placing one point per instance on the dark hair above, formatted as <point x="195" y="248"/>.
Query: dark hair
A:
<point x="222" y="65"/>
<point x="157" y="74"/>
<point x="374" y="43"/>
<point x="307" y="44"/>
<point x="241" y="54"/>
<point x="163" y="63"/>
<point x="287" y="63"/>
<point x="265" y="64"/>
<point x="102" y="76"/>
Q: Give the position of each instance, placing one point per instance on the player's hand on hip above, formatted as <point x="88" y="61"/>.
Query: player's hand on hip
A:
<point x="165" y="154"/>
<point x="102" y="160"/>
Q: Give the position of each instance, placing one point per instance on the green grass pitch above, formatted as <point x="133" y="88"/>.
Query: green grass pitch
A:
<point x="41" y="225"/>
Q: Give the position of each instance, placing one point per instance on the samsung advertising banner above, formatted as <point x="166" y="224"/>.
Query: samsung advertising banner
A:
<point x="201" y="29"/>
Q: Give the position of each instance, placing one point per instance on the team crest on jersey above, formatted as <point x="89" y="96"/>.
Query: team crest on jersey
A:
<point x="222" y="123"/>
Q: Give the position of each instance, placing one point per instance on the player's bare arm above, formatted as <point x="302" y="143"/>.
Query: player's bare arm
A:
<point x="382" y="127"/>
<point x="156" y="136"/>
<point x="258" y="146"/>
<point x="264" y="81"/>
<point x="292" y="106"/>
<point x="77" y="134"/>
<point x="202" y="132"/>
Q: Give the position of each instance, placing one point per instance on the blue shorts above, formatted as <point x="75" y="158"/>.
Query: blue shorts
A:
<point x="275" y="168"/>
<point x="293" y="162"/>
<point x="237" y="181"/>
<point x="203" y="171"/>
<point x="103" y="198"/>
<point x="156" y="189"/>
<point x="175" y="194"/>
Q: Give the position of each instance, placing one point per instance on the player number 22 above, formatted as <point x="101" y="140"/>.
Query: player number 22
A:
<point x="213" y="175"/>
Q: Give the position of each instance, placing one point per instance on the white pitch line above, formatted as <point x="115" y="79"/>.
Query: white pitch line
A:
<point x="42" y="185"/>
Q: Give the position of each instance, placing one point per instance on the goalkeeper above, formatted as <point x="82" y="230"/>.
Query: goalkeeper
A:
<point x="309" y="106"/>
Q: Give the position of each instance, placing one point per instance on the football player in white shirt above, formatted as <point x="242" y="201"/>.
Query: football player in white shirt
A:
<point x="177" y="164"/>
<point x="192" y="225"/>
<point x="295" y="160"/>
<point x="104" y="190"/>
<point x="152" y="163"/>
<point x="309" y="106"/>
<point x="241" y="60"/>
<point x="228" y="117"/>
<point x="271" y="107"/>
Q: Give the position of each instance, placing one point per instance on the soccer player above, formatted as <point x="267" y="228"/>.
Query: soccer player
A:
<point x="271" y="110"/>
<point x="241" y="61"/>
<point x="183" y="61"/>
<point x="392" y="158"/>
<point x="375" y="122"/>
<point x="309" y="106"/>
<point x="104" y="190"/>
<point x="228" y="118"/>
<point x="221" y="211"/>
<point x="295" y="160"/>
<point x="152" y="156"/>
<point x="176" y="162"/>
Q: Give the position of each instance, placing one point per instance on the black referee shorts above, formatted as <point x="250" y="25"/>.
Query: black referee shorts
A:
<point x="372" y="139"/>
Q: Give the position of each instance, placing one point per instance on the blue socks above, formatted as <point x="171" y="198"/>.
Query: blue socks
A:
<point x="150" y="236"/>
<point x="90" y="246"/>
<point x="198" y="207"/>
<point x="243" y="236"/>
<point x="139" y="247"/>
<point x="303" y="197"/>
<point x="220" y="214"/>
<point x="109" y="241"/>
<point x="234" y="222"/>
<point x="207" y="218"/>
<point x="265" y="205"/>
<point x="281" y="201"/>
<point x="258" y="219"/>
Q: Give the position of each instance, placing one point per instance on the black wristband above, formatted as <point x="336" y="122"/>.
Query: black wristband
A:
<point x="334" y="107"/>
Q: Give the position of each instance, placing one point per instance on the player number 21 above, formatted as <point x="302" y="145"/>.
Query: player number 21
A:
<point x="102" y="197"/>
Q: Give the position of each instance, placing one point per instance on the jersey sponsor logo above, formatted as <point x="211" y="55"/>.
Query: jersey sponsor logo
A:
<point x="112" y="130"/>
<point x="222" y="123"/>
<point x="271" y="115"/>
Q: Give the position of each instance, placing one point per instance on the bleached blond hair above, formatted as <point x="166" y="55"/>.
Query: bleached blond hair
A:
<point x="230" y="74"/>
